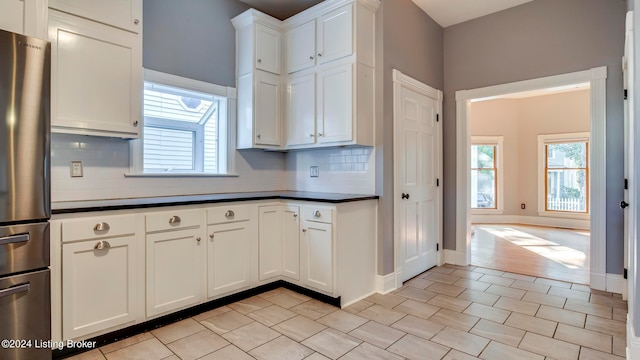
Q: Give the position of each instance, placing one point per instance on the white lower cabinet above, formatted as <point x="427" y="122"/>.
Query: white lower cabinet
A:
<point x="228" y="260"/>
<point x="279" y="241"/>
<point x="98" y="275"/>
<point x="316" y="255"/>
<point x="229" y="249"/>
<point x="175" y="261"/>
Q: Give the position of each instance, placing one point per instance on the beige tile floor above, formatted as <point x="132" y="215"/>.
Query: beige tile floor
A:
<point x="446" y="313"/>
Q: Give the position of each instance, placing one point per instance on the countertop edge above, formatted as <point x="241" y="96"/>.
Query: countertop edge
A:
<point x="223" y="199"/>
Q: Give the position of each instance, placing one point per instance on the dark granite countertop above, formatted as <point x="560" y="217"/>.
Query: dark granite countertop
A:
<point x="139" y="203"/>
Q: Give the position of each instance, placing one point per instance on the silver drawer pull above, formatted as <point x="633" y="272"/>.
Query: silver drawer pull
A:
<point x="101" y="245"/>
<point x="14" y="290"/>
<point x="175" y="220"/>
<point x="316" y="213"/>
<point x="229" y="213"/>
<point x="103" y="226"/>
<point x="12" y="239"/>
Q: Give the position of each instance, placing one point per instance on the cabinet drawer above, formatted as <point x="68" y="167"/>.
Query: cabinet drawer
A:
<point x="169" y="220"/>
<point x="96" y="227"/>
<point x="321" y="214"/>
<point x="231" y="213"/>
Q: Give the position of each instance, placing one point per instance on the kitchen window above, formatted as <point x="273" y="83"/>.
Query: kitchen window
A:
<point x="564" y="174"/>
<point x="186" y="128"/>
<point x="486" y="174"/>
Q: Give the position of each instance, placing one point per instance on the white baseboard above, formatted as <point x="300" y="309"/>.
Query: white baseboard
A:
<point x="455" y="257"/>
<point x="608" y="282"/>
<point x="531" y="220"/>
<point x="633" y="342"/>
<point x="386" y="283"/>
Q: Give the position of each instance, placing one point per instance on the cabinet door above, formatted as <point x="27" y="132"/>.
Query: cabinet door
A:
<point x="316" y="255"/>
<point x="270" y="241"/>
<point x="335" y="104"/>
<point x="175" y="269"/>
<point x="98" y="285"/>
<point x="125" y="14"/>
<point x="291" y="242"/>
<point x="335" y="34"/>
<point x="267" y="109"/>
<point x="96" y="77"/>
<point x="26" y="17"/>
<point x="301" y="110"/>
<point x="300" y="47"/>
<point x="267" y="49"/>
<point x="228" y="257"/>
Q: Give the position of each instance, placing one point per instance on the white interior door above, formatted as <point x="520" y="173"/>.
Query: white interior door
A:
<point x="627" y="69"/>
<point x="417" y="205"/>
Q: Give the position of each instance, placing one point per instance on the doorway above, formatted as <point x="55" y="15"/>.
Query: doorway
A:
<point x="597" y="81"/>
<point x="417" y="174"/>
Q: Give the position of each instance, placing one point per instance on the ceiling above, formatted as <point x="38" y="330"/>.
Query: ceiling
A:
<point x="281" y="9"/>
<point x="451" y="12"/>
<point x="444" y="12"/>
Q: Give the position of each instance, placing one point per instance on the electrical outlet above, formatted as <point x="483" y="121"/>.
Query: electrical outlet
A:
<point x="314" y="171"/>
<point x="76" y="169"/>
<point x="523" y="206"/>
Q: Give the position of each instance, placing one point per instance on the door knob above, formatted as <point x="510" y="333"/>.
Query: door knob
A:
<point x="623" y="204"/>
<point x="405" y="196"/>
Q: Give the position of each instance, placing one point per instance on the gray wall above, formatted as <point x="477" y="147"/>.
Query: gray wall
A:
<point x="412" y="43"/>
<point x="537" y="39"/>
<point x="191" y="38"/>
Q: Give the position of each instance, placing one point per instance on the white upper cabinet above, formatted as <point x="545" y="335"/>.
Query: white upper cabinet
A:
<point x="300" y="47"/>
<point x="335" y="34"/>
<point x="268" y="52"/>
<point x="335" y="101"/>
<point x="124" y="14"/>
<point x="301" y="110"/>
<point x="24" y="17"/>
<point x="96" y="77"/>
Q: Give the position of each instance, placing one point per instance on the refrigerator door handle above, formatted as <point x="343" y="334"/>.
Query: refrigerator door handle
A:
<point x="14" y="290"/>
<point x="14" y="239"/>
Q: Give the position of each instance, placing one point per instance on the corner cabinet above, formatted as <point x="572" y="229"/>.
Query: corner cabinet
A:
<point x="96" y="77"/>
<point x="279" y="241"/>
<point x="326" y="96"/>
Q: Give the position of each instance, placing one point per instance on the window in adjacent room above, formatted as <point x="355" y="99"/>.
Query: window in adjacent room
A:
<point x="565" y="173"/>
<point x="486" y="173"/>
<point x="185" y="128"/>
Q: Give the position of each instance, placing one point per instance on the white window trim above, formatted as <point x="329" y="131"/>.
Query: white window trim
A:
<point x="136" y="149"/>
<point x="559" y="138"/>
<point x="498" y="141"/>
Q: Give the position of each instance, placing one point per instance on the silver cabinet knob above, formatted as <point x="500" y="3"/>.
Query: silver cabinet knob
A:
<point x="135" y="123"/>
<point x="259" y="60"/>
<point x="211" y="236"/>
<point x="304" y="230"/>
<point x="311" y="57"/>
<point x="198" y="239"/>
<point x="258" y="136"/>
<point x="100" y="245"/>
<point x="317" y="213"/>
<point x="136" y="21"/>
<point x="319" y="54"/>
<point x="295" y="215"/>
<point x="103" y="226"/>
<point x="229" y="213"/>
<point x="175" y="219"/>
<point x="310" y="135"/>
<point x="320" y="134"/>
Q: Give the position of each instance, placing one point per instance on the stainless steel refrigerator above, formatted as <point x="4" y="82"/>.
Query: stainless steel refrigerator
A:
<point x="25" y="206"/>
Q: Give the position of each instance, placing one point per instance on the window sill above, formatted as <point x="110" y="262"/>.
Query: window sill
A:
<point x="177" y="175"/>
<point x="564" y="215"/>
<point x="487" y="212"/>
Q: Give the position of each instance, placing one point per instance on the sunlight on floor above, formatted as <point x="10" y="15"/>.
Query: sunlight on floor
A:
<point x="566" y="256"/>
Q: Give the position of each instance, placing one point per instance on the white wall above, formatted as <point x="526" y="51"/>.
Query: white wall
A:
<point x="342" y="170"/>
<point x="520" y="121"/>
<point x="106" y="160"/>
